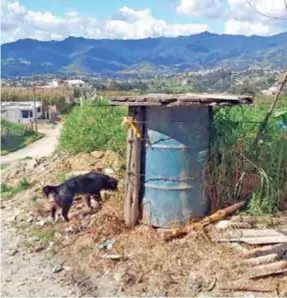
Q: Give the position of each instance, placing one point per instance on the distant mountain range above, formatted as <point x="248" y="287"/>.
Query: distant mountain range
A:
<point x="76" y="55"/>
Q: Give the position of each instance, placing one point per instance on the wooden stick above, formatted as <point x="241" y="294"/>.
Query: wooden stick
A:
<point x="217" y="216"/>
<point x="260" y="260"/>
<point x="280" y="249"/>
<point x="245" y="285"/>
<point x="269" y="113"/>
<point x="267" y="269"/>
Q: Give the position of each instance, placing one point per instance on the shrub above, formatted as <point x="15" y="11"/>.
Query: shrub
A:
<point x="263" y="172"/>
<point x="94" y="126"/>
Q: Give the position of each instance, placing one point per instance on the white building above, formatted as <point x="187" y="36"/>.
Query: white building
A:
<point x="21" y="112"/>
<point x="75" y="83"/>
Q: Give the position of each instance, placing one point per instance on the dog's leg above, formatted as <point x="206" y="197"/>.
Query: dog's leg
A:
<point x="87" y="199"/>
<point x="65" y="210"/>
<point x="97" y="197"/>
<point x="53" y="211"/>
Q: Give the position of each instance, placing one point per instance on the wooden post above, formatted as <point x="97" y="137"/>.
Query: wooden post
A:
<point x="133" y="176"/>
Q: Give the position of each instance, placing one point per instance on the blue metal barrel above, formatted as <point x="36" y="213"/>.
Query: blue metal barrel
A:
<point x="174" y="161"/>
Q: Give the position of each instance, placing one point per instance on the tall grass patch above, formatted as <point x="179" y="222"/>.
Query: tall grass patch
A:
<point x="16" y="136"/>
<point x="94" y="126"/>
<point x="236" y="170"/>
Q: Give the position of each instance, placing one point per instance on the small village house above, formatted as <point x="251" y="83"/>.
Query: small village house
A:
<point x="21" y="112"/>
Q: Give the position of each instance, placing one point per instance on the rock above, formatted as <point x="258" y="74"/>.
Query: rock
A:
<point x="58" y="236"/>
<point x="33" y="239"/>
<point x="39" y="248"/>
<point x="50" y="246"/>
<point x="41" y="223"/>
<point x="72" y="230"/>
<point x="30" y="219"/>
<point x="97" y="154"/>
<point x="13" y="252"/>
<point x="31" y="164"/>
<point x="194" y="283"/>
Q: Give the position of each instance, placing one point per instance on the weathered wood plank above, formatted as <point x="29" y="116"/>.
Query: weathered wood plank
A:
<point x="180" y="99"/>
<point x="133" y="178"/>
<point x="267" y="269"/>
<point x="260" y="260"/>
<point x="252" y="236"/>
<point x="246" y="285"/>
<point x="279" y="249"/>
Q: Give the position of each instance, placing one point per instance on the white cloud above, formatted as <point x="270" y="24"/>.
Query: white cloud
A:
<point x="261" y="17"/>
<point x="206" y="8"/>
<point x="265" y="10"/>
<point x="249" y="28"/>
<point x="19" y="22"/>
<point x="129" y="23"/>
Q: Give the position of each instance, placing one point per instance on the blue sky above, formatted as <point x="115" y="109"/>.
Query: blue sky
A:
<point x="133" y="19"/>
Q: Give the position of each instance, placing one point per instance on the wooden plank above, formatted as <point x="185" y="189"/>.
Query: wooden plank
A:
<point x="268" y="269"/>
<point x="246" y="285"/>
<point x="260" y="260"/>
<point x="128" y="186"/>
<point x="279" y="249"/>
<point x="133" y="178"/>
<point x="252" y="236"/>
<point x="180" y="99"/>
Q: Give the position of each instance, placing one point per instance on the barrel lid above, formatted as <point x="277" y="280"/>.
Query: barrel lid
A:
<point x="186" y="99"/>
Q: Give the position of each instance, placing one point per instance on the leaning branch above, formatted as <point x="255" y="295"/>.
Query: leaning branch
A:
<point x="269" y="113"/>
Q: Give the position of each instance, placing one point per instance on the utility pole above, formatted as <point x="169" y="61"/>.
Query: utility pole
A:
<point x="35" y="112"/>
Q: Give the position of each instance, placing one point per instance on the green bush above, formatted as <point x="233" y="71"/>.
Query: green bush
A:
<point x="15" y="136"/>
<point x="94" y="126"/>
<point x="8" y="192"/>
<point x="265" y="168"/>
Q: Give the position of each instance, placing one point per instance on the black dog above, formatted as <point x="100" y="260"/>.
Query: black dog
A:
<point x="89" y="184"/>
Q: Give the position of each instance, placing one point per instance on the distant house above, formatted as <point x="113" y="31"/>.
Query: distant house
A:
<point x="75" y="83"/>
<point x="21" y="112"/>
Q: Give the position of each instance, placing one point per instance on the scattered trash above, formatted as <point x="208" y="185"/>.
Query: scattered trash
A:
<point x="72" y="230"/>
<point x="108" y="244"/>
<point x="41" y="223"/>
<point x="111" y="257"/>
<point x="57" y="268"/>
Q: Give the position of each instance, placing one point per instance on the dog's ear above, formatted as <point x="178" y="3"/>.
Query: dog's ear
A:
<point x="47" y="190"/>
<point x="113" y="183"/>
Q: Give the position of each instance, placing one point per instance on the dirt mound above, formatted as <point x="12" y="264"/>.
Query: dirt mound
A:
<point x="60" y="167"/>
<point x="95" y="161"/>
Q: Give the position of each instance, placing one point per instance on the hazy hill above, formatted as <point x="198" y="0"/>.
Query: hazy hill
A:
<point x="201" y="51"/>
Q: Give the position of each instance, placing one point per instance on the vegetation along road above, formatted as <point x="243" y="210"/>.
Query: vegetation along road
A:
<point x="38" y="149"/>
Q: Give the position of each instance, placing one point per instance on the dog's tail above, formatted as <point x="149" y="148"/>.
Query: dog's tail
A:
<point x="50" y="189"/>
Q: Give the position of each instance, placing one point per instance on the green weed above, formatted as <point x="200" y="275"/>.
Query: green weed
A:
<point x="265" y="168"/>
<point x="95" y="126"/>
<point x="8" y="192"/>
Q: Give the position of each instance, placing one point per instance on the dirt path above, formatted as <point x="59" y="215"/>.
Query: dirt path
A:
<point x="38" y="149"/>
<point x="22" y="274"/>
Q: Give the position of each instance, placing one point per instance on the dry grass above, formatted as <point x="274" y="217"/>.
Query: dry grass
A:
<point x="147" y="265"/>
